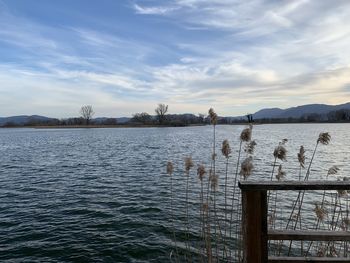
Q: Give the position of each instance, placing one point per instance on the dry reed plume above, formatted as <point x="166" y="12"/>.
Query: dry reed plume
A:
<point x="219" y="237"/>
<point x="247" y="167"/>
<point x="280" y="173"/>
<point x="301" y="157"/>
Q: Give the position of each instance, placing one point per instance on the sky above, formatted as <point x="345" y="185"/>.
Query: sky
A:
<point x="126" y="56"/>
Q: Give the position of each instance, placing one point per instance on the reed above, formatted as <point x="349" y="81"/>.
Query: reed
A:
<point x="219" y="209"/>
<point x="226" y="151"/>
<point x="188" y="165"/>
<point x="201" y="173"/>
<point x="170" y="171"/>
<point x="279" y="154"/>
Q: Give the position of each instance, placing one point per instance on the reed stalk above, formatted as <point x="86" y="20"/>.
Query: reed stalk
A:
<point x="234" y="191"/>
<point x="245" y="136"/>
<point x="218" y="230"/>
<point x="213" y="121"/>
<point x="201" y="172"/>
<point x="332" y="171"/>
<point x="301" y="194"/>
<point x="170" y="170"/>
<point x="323" y="138"/>
<point x="188" y="166"/>
<point x="207" y="221"/>
<point x="279" y="153"/>
<point x="226" y="151"/>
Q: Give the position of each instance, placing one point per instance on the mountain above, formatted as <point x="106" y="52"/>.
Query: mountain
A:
<point x="23" y="119"/>
<point x="32" y="119"/>
<point x="299" y="111"/>
<point x="268" y="113"/>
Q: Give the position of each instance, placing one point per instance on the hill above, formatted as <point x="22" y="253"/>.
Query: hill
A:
<point x="299" y="111"/>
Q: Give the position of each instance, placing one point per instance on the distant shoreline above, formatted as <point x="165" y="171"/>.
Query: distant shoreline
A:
<point x="100" y="126"/>
<point x="97" y="126"/>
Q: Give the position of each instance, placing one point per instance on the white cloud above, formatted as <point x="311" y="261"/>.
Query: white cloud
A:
<point x="232" y="55"/>
<point x="158" y="10"/>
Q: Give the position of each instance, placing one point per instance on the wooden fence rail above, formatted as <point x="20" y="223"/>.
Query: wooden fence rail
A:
<point x="254" y="221"/>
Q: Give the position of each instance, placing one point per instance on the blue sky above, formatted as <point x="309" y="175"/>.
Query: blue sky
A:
<point x="124" y="57"/>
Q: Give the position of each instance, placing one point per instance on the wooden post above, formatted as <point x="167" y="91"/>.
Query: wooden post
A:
<point x="254" y="227"/>
<point x="254" y="221"/>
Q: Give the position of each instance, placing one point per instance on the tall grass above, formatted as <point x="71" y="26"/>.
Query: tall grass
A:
<point x="214" y="234"/>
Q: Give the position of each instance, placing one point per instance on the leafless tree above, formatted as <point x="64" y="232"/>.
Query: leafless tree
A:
<point x="161" y="110"/>
<point x="87" y="112"/>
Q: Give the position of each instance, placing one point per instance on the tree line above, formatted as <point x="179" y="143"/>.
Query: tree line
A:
<point x="162" y="118"/>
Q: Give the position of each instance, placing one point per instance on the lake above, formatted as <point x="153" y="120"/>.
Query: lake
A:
<point x="102" y="195"/>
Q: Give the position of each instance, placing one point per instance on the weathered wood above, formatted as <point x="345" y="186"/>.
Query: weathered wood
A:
<point x="254" y="221"/>
<point x="307" y="259"/>
<point x="310" y="235"/>
<point x="294" y="185"/>
<point x="254" y="228"/>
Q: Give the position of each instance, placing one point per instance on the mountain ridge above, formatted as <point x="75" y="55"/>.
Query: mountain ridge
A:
<point x="24" y="119"/>
<point x="298" y="111"/>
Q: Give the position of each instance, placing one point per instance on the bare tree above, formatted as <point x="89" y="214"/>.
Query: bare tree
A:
<point x="161" y="110"/>
<point x="87" y="112"/>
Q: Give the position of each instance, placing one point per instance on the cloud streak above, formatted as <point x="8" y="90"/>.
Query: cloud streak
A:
<point x="236" y="56"/>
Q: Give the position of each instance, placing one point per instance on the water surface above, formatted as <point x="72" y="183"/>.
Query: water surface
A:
<point x="102" y="195"/>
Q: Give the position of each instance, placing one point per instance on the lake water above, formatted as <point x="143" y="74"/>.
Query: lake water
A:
<point x="102" y="195"/>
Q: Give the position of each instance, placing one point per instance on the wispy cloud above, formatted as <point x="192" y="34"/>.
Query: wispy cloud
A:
<point x="156" y="10"/>
<point x="18" y="32"/>
<point x="237" y="56"/>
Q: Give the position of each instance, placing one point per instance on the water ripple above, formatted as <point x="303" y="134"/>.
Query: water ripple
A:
<point x="101" y="195"/>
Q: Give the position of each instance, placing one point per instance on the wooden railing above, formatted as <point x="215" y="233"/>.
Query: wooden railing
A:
<point x="254" y="221"/>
